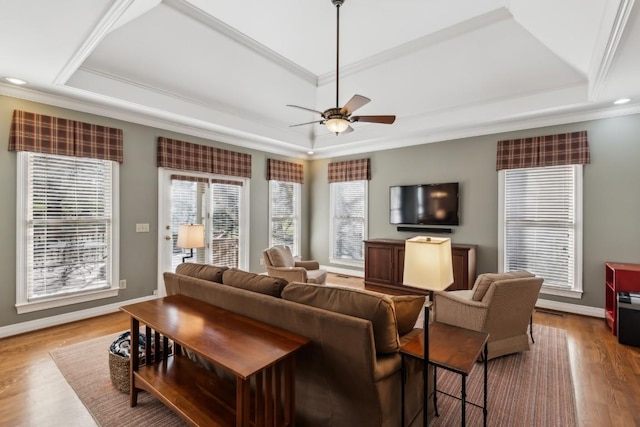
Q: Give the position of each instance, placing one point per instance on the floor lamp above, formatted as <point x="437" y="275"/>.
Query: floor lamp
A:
<point x="427" y="265"/>
<point x="190" y="236"/>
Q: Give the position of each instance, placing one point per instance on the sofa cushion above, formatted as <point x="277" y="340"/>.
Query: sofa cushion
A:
<point x="407" y="308"/>
<point x="375" y="307"/>
<point x="481" y="286"/>
<point x="280" y="256"/>
<point x="212" y="273"/>
<point x="253" y="282"/>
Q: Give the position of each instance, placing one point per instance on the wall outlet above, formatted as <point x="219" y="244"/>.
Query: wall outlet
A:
<point x="261" y="261"/>
<point x="123" y="284"/>
<point x="142" y="228"/>
<point x="155" y="292"/>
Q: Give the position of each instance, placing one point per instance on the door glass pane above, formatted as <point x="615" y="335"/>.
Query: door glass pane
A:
<point x="187" y="207"/>
<point x="225" y="223"/>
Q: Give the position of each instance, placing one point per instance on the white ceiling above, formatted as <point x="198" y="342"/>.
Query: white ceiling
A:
<point x="225" y="70"/>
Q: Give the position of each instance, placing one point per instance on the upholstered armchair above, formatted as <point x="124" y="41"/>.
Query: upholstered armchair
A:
<point x="500" y="304"/>
<point x="280" y="263"/>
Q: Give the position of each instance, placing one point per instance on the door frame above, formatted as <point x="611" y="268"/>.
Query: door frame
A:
<point x="164" y="218"/>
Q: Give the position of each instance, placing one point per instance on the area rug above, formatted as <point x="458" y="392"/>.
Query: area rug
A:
<point x="532" y="388"/>
<point x="527" y="389"/>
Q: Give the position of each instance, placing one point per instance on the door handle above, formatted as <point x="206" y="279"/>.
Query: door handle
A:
<point x="167" y="237"/>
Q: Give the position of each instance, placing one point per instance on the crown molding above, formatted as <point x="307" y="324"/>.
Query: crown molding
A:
<point x="215" y="24"/>
<point x="419" y="44"/>
<point x="82" y="101"/>
<point x="99" y="32"/>
<point x="130" y="112"/>
<point x="600" y="69"/>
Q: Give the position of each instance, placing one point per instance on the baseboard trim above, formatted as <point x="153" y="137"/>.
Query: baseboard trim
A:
<point x="570" y="308"/>
<point x="34" y="325"/>
<point x="345" y="271"/>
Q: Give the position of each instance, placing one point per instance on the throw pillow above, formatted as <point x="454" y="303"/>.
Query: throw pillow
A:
<point x="253" y="282"/>
<point x="408" y="308"/>
<point x="212" y="273"/>
<point x="485" y="280"/>
<point x="375" y="307"/>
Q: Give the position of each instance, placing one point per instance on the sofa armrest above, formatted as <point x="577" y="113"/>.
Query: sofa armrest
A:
<point x="308" y="265"/>
<point x="291" y="274"/>
<point x="458" y="311"/>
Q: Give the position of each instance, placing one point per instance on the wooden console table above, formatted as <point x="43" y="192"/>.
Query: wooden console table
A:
<point x="244" y="347"/>
<point x="384" y="267"/>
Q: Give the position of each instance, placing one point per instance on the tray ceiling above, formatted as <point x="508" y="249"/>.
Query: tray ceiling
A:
<point x="226" y="70"/>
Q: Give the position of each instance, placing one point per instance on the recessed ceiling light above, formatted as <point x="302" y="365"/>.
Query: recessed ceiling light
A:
<point x="15" y="81"/>
<point x="310" y="153"/>
<point x="621" y="101"/>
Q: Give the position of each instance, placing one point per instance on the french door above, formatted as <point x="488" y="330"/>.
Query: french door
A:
<point x="219" y="203"/>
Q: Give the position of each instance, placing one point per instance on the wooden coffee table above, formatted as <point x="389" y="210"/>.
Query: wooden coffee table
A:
<point x="455" y="349"/>
<point x="251" y="351"/>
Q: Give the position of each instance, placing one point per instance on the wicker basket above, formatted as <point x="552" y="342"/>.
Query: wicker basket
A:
<point x="119" y="365"/>
<point x="119" y="372"/>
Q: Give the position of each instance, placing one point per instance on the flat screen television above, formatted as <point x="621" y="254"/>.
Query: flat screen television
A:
<point x="424" y="204"/>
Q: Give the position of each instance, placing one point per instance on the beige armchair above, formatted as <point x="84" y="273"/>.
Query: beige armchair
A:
<point x="280" y="263"/>
<point x="500" y="304"/>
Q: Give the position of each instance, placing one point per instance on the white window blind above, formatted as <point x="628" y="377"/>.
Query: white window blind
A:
<point x="225" y="223"/>
<point x="69" y="224"/>
<point x="349" y="217"/>
<point x="285" y="214"/>
<point x="541" y="219"/>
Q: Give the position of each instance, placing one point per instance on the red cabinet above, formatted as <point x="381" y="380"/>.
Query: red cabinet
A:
<point x="619" y="278"/>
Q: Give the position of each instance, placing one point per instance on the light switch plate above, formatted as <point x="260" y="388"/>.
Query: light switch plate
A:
<point x="142" y="228"/>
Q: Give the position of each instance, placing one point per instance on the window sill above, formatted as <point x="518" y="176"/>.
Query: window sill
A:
<point x="28" y="307"/>
<point x="561" y="292"/>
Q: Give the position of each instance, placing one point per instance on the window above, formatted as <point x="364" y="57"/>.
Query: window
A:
<point x="348" y="222"/>
<point x="284" y="214"/>
<point x="66" y="231"/>
<point x="541" y="225"/>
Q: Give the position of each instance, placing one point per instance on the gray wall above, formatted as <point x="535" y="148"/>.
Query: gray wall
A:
<point x="138" y="204"/>
<point x="611" y="195"/>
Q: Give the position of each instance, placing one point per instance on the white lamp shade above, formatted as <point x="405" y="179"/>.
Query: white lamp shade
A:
<point x="427" y="263"/>
<point x="191" y="236"/>
<point x="337" y="125"/>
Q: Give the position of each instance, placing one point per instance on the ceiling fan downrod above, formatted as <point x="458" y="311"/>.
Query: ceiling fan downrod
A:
<point x="337" y="4"/>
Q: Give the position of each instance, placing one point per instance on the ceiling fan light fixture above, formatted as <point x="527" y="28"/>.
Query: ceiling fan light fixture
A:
<point x="337" y="125"/>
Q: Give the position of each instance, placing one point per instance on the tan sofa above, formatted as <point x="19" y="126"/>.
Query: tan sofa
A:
<point x="499" y="303"/>
<point x="280" y="263"/>
<point x="350" y="373"/>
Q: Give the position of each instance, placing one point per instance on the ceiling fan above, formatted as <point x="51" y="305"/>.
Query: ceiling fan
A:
<point x="338" y="120"/>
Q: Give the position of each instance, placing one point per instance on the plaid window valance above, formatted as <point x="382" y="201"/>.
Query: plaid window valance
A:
<point x="182" y="155"/>
<point x="189" y="178"/>
<point x="350" y="170"/>
<point x="280" y="170"/>
<point x="52" y="135"/>
<point x="550" y="150"/>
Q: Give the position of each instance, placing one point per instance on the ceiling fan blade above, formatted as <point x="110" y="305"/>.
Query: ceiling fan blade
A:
<point x="354" y="103"/>
<point x="307" y="123"/>
<point x="305" y="108"/>
<point x="387" y="120"/>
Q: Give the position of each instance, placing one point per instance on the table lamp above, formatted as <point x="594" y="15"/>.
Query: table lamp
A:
<point x="190" y="236"/>
<point x="427" y="264"/>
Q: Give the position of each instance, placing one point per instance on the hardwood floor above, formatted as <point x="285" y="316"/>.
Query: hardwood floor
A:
<point x="33" y="392"/>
